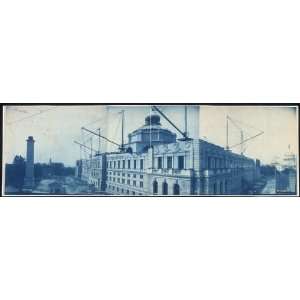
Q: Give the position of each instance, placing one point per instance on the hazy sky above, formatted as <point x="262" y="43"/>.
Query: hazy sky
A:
<point x="56" y="127"/>
<point x="279" y="125"/>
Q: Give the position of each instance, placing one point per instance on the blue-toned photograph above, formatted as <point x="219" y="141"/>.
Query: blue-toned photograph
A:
<point x="150" y="150"/>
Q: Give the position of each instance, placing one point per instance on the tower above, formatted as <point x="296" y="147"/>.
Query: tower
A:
<point x="29" y="172"/>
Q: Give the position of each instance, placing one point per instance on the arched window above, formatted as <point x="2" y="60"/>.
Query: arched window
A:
<point x="155" y="187"/>
<point x="176" y="189"/>
<point x="165" y="188"/>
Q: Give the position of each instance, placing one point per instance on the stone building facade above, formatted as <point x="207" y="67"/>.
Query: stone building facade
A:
<point x="155" y="163"/>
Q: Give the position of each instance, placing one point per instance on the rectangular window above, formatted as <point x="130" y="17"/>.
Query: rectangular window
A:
<point x="128" y="164"/>
<point x="119" y="166"/>
<point x="169" y="162"/>
<point x="141" y="176"/>
<point x="128" y="182"/>
<point x="141" y="164"/>
<point x="110" y="163"/>
<point x="134" y="175"/>
<point x="128" y="175"/>
<point x="210" y="164"/>
<point x="141" y="184"/>
<point x="123" y="181"/>
<point x="134" y="164"/>
<point x="159" y="163"/>
<point x="134" y="183"/>
<point x="180" y="162"/>
<point x="123" y="163"/>
<point x="123" y="174"/>
<point x="114" y="164"/>
<point x="215" y="188"/>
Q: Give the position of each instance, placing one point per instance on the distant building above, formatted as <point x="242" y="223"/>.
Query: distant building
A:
<point x="155" y="163"/>
<point x="286" y="181"/>
<point x="289" y="160"/>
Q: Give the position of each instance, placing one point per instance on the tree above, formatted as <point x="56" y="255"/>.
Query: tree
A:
<point x="15" y="172"/>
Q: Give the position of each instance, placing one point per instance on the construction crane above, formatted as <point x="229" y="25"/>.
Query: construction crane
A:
<point x="242" y="139"/>
<point x="101" y="136"/>
<point x="184" y="134"/>
<point x="122" y="137"/>
<point x="82" y="145"/>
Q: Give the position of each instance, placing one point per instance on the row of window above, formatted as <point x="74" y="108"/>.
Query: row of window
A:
<point x="165" y="188"/>
<point x="123" y="191"/>
<point x="123" y="174"/>
<point x="121" y="164"/>
<point x="220" y="188"/>
<point x="92" y="163"/>
<point x="128" y="182"/>
<point x="216" y="163"/>
<point x="170" y="162"/>
<point x="95" y="173"/>
<point x="96" y="163"/>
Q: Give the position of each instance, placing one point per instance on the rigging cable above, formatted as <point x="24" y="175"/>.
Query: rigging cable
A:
<point x="31" y="116"/>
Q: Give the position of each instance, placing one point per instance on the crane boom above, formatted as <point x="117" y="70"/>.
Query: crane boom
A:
<point x="234" y="123"/>
<point x="243" y="141"/>
<point x="97" y="134"/>
<point x="184" y="134"/>
<point x="85" y="146"/>
<point x="248" y="139"/>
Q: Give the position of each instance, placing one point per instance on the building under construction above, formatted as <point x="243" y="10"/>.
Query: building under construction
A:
<point x="155" y="161"/>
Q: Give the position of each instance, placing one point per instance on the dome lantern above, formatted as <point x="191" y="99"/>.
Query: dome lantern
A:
<point x="152" y="119"/>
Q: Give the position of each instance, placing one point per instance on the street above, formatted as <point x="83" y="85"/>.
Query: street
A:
<point x="269" y="187"/>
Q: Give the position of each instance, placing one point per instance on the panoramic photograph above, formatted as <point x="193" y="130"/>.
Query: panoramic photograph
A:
<point x="150" y="150"/>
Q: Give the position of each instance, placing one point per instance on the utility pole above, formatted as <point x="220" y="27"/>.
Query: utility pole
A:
<point x="227" y="142"/>
<point x="185" y="121"/>
<point x="242" y="142"/>
<point x="122" y="138"/>
<point x="99" y="140"/>
<point x="275" y="180"/>
<point x="91" y="147"/>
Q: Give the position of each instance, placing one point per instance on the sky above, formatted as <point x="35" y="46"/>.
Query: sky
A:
<point x="279" y="125"/>
<point x="55" y="128"/>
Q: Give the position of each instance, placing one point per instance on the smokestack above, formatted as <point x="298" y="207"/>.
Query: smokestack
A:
<point x="29" y="172"/>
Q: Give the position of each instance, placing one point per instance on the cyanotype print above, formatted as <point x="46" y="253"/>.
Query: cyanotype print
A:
<point x="150" y="150"/>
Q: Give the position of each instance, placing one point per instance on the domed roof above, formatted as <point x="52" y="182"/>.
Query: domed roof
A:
<point x="149" y="134"/>
<point x="152" y="119"/>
